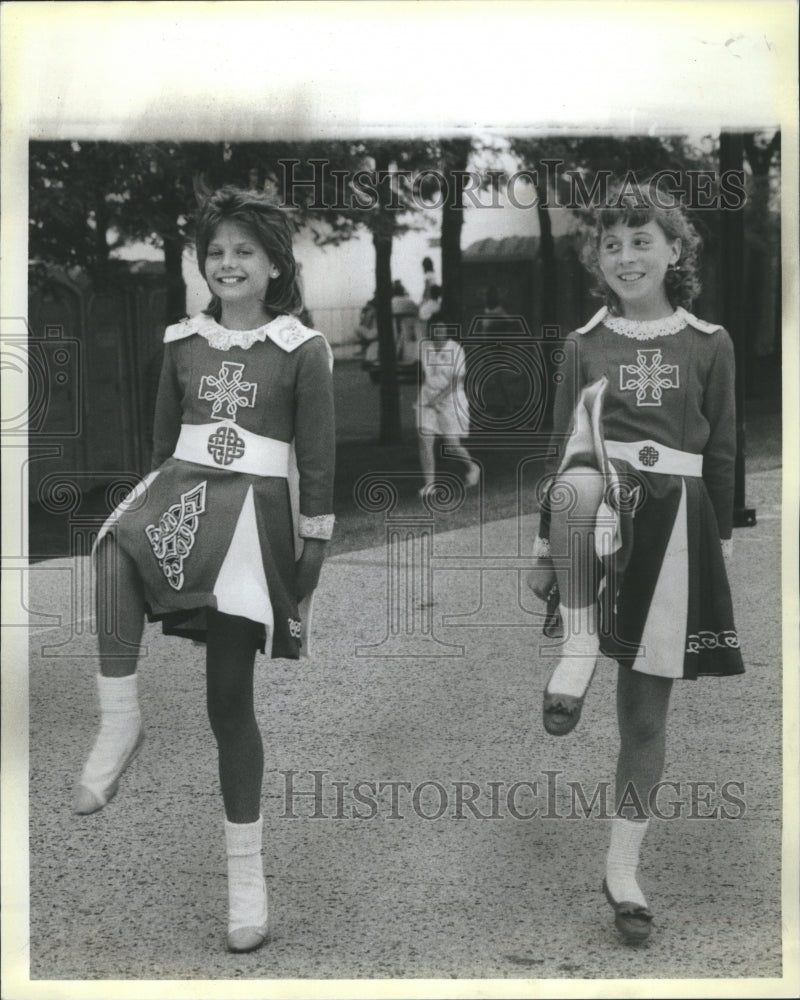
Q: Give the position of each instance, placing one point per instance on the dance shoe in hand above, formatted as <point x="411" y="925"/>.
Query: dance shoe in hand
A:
<point x="632" y="920"/>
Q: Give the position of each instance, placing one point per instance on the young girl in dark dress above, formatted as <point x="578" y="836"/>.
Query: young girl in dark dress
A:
<point x="636" y="524"/>
<point x="224" y="541"/>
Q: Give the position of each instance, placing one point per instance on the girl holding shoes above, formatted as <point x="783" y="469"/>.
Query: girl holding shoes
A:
<point x="224" y="541"/>
<point x="442" y="407"/>
<point x="636" y="523"/>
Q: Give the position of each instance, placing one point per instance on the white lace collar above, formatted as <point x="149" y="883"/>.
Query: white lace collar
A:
<point x="286" y="331"/>
<point x="647" y="329"/>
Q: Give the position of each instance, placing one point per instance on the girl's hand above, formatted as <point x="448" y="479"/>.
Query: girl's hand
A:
<point x="541" y="578"/>
<point x="308" y="566"/>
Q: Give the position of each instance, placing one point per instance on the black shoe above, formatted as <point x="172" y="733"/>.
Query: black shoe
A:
<point x="633" y="921"/>
<point x="561" y="713"/>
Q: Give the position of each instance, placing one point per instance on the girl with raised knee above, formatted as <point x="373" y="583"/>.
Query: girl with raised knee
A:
<point x="224" y="541"/>
<point x="636" y="524"/>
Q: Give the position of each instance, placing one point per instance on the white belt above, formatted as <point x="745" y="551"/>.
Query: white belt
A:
<point x="227" y="446"/>
<point x="650" y="456"/>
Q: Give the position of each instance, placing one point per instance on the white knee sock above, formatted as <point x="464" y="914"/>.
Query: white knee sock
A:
<point x="120" y="726"/>
<point x="578" y="652"/>
<point x="623" y="859"/>
<point x="247" y="890"/>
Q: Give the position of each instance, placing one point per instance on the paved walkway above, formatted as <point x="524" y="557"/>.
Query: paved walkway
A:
<point x="138" y="891"/>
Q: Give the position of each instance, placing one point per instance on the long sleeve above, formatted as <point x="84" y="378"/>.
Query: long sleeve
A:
<point x="315" y="438"/>
<point x="719" y="454"/>
<point x="168" y="411"/>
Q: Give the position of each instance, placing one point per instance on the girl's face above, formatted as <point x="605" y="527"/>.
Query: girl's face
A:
<point x="634" y="262"/>
<point x="238" y="270"/>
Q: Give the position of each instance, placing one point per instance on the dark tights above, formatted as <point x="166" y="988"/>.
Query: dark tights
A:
<point x="642" y="706"/>
<point x="230" y="657"/>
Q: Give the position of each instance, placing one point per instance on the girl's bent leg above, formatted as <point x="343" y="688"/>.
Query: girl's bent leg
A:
<point x="119" y="602"/>
<point x="572" y="534"/>
<point x="120" y="620"/>
<point x="230" y="661"/>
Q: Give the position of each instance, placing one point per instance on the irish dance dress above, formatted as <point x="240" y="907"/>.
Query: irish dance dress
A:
<point x="243" y="472"/>
<point x="651" y="405"/>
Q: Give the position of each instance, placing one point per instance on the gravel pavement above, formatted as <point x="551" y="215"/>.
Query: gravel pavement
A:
<point x="138" y="891"/>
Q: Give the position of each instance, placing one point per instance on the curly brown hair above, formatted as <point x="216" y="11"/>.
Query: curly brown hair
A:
<point x="636" y="208"/>
<point x="270" y="226"/>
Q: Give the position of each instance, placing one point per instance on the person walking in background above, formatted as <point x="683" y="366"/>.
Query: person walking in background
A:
<point x="367" y="329"/>
<point x="636" y="524"/>
<point x="404" y="317"/>
<point x="428" y="309"/>
<point x="224" y="541"/>
<point x="430" y="306"/>
<point x="442" y="407"/>
<point x="428" y="278"/>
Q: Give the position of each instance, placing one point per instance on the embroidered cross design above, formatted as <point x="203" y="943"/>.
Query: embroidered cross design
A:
<point x="649" y="455"/>
<point x="173" y="538"/>
<point x="224" y="445"/>
<point x="227" y="388"/>
<point x="648" y="376"/>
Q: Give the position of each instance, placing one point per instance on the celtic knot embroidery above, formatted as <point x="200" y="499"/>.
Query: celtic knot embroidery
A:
<point x="704" y="639"/>
<point x="173" y="539"/>
<point x="227" y="389"/>
<point x="225" y="445"/>
<point x="648" y="376"/>
<point x="649" y="455"/>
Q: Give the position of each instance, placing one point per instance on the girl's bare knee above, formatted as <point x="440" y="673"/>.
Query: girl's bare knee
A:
<point x="584" y="484"/>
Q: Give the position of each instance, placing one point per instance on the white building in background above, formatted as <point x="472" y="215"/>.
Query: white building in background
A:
<point x="339" y="280"/>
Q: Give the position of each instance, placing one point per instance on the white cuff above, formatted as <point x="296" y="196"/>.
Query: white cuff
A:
<point x="320" y="526"/>
<point x="541" y="548"/>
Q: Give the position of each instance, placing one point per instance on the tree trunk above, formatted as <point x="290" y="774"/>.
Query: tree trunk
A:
<point x="176" y="287"/>
<point x="547" y="253"/>
<point x="731" y="149"/>
<point x="382" y="235"/>
<point x="455" y="154"/>
<point x="390" y="428"/>
<point x="101" y="245"/>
